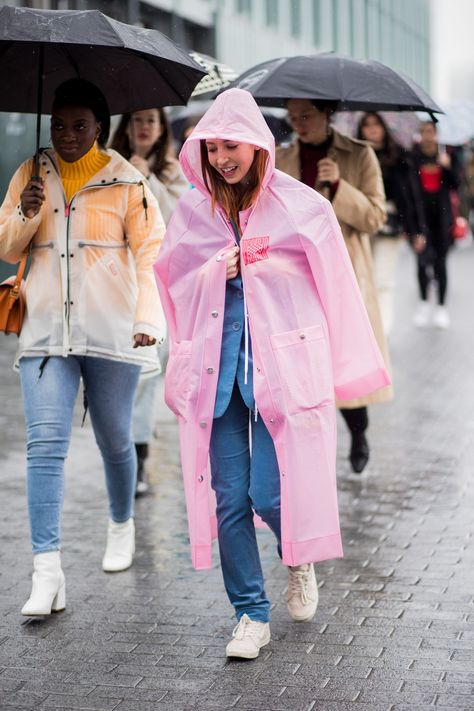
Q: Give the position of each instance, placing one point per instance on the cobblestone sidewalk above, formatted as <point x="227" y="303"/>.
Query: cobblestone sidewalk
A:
<point x="395" y="625"/>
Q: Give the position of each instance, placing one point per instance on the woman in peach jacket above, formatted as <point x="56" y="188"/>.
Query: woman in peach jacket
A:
<point x="94" y="231"/>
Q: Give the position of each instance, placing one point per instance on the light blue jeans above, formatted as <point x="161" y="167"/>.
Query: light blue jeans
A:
<point x="49" y="396"/>
<point x="144" y="409"/>
<point x="244" y="483"/>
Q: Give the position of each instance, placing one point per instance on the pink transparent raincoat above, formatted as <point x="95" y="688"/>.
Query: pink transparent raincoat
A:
<point x="310" y="334"/>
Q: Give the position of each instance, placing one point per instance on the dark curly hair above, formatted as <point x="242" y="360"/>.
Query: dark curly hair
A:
<point x="80" y="92"/>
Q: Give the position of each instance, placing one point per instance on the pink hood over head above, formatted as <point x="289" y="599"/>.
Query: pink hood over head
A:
<point x="233" y="116"/>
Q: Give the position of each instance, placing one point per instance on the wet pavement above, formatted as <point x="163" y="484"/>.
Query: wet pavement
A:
<point x="395" y="624"/>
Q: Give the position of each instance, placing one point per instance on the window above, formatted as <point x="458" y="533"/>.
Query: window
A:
<point x="317" y="34"/>
<point x="352" y="28"/>
<point x="271" y="13"/>
<point x="243" y="6"/>
<point x="335" y="25"/>
<point x="295" y="17"/>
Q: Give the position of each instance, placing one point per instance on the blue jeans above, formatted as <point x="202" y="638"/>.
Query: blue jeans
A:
<point x="49" y="396"/>
<point x="144" y="410"/>
<point x="244" y="484"/>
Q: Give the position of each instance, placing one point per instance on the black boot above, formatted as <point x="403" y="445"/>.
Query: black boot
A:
<point x="142" y="481"/>
<point x="359" y="454"/>
<point x="357" y="421"/>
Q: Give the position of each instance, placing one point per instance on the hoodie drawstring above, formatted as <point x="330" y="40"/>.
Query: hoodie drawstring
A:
<point x="246" y="321"/>
<point x="246" y="341"/>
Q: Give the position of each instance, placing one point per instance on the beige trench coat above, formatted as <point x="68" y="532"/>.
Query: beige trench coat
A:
<point x="359" y="205"/>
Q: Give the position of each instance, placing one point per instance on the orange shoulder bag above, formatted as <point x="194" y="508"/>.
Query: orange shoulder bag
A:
<point x="12" y="301"/>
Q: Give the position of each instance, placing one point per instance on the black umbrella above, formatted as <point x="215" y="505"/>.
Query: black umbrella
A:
<point x="134" y="68"/>
<point x="352" y="84"/>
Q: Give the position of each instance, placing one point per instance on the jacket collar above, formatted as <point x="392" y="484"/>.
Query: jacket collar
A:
<point x="341" y="142"/>
<point x="117" y="170"/>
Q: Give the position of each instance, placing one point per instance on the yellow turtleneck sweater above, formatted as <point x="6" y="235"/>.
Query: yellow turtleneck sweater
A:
<point x="75" y="175"/>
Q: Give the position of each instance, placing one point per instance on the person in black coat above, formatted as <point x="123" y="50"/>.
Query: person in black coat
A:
<point x="404" y="208"/>
<point x="437" y="177"/>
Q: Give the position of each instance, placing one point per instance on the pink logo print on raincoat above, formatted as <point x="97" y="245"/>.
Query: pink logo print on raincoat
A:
<point x="254" y="249"/>
<point x="311" y="337"/>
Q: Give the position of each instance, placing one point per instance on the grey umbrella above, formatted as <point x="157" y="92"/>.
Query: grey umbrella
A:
<point x="135" y="68"/>
<point x="352" y="84"/>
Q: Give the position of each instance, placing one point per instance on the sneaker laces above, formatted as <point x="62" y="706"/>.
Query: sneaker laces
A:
<point x="298" y="584"/>
<point x="245" y="628"/>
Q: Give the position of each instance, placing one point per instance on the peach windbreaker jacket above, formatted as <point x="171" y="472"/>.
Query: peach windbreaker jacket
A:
<point x="90" y="286"/>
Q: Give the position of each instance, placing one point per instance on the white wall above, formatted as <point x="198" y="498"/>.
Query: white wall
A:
<point x="453" y="49"/>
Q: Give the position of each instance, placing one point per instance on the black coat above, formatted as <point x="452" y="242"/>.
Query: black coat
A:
<point x="402" y="187"/>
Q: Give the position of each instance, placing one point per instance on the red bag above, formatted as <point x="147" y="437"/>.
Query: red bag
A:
<point x="460" y="226"/>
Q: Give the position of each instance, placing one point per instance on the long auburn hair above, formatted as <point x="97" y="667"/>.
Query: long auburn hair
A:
<point x="161" y="150"/>
<point x="390" y="149"/>
<point x="234" y="198"/>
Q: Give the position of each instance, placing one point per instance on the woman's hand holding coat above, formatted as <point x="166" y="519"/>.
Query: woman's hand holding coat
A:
<point x="233" y="263"/>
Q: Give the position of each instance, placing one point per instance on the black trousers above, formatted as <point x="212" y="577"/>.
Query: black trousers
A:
<point x="433" y="266"/>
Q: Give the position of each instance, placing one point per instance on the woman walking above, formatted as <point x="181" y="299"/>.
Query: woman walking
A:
<point x="95" y="230"/>
<point x="437" y="179"/>
<point x="403" y="207"/>
<point x="144" y="138"/>
<point x="262" y="307"/>
<point x="346" y="172"/>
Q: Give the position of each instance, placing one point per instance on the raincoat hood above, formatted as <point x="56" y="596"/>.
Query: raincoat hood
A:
<point x="234" y="116"/>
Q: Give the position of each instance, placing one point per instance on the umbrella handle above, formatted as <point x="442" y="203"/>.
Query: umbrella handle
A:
<point x="39" y="107"/>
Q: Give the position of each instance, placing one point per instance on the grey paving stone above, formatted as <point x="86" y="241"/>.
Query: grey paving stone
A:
<point x="61" y="702"/>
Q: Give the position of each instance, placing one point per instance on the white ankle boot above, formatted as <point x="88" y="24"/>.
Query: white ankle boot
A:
<point x="120" y="546"/>
<point x="48" y="593"/>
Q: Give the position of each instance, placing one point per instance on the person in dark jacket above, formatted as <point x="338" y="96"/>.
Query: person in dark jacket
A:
<point x="437" y="178"/>
<point x="403" y="205"/>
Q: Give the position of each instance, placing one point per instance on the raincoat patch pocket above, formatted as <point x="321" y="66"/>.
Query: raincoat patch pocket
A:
<point x="303" y="363"/>
<point x="177" y="377"/>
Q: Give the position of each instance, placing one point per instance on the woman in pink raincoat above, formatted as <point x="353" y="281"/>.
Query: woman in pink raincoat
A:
<point x="266" y="325"/>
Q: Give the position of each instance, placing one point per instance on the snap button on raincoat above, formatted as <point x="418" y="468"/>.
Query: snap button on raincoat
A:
<point x="311" y="337"/>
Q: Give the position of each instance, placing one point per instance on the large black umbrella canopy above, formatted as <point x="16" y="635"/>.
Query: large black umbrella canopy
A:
<point x="353" y="84"/>
<point x="135" y="68"/>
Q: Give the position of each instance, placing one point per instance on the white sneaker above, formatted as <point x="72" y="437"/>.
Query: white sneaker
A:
<point x="48" y="592"/>
<point x="423" y="314"/>
<point x="248" y="638"/>
<point x="120" y="546"/>
<point x="302" y="597"/>
<point x="441" y="317"/>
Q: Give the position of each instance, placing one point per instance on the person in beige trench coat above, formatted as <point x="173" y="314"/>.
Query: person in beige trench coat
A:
<point x="347" y="172"/>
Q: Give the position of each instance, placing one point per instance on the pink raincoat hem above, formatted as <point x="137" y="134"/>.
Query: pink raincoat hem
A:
<point x="312" y="551"/>
<point x="363" y="386"/>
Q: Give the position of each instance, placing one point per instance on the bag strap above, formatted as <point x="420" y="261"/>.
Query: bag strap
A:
<point x="15" y="290"/>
